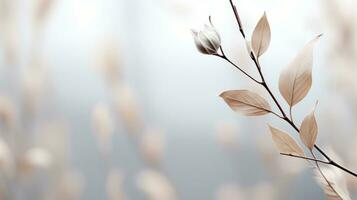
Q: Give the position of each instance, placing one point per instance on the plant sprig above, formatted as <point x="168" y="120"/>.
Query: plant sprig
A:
<point x="294" y="84"/>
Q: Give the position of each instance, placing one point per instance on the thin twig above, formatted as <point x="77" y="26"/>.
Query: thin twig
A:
<point x="305" y="158"/>
<point x="237" y="18"/>
<point x="333" y="163"/>
<point x="276" y="114"/>
<point x="224" y="57"/>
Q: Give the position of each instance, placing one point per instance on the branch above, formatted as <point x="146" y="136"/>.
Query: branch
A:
<point x="264" y="84"/>
<point x="237" y="18"/>
<point x="276" y="114"/>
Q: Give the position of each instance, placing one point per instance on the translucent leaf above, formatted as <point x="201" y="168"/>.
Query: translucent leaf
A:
<point x="246" y="102"/>
<point x="261" y="36"/>
<point x="308" y="130"/>
<point x="296" y="79"/>
<point x="335" y="188"/>
<point x="285" y="143"/>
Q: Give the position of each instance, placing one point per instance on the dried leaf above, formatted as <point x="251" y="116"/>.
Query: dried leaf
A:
<point x="296" y="79"/>
<point x="261" y="36"/>
<point x="282" y="165"/>
<point x="246" y="102"/>
<point x="285" y="143"/>
<point x="337" y="188"/>
<point x="308" y="130"/>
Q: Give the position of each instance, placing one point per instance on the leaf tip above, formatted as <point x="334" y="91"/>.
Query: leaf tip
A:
<point x="271" y="128"/>
<point x="264" y="17"/>
<point x="193" y="32"/>
<point x="210" y="19"/>
<point x="316" y="103"/>
<point x="222" y="94"/>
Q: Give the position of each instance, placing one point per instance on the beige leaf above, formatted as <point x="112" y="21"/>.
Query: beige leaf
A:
<point x="296" y="79"/>
<point x="246" y="102"/>
<point x="261" y="36"/>
<point x="285" y="143"/>
<point x="308" y="130"/>
<point x="336" y="187"/>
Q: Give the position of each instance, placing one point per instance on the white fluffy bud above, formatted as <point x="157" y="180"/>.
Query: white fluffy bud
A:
<point x="207" y="40"/>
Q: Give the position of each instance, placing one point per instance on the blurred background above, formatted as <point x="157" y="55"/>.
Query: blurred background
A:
<point x="109" y="99"/>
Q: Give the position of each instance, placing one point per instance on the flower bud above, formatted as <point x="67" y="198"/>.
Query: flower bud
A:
<point x="207" y="40"/>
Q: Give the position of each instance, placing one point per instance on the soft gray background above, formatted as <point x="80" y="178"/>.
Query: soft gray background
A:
<point x="177" y="87"/>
